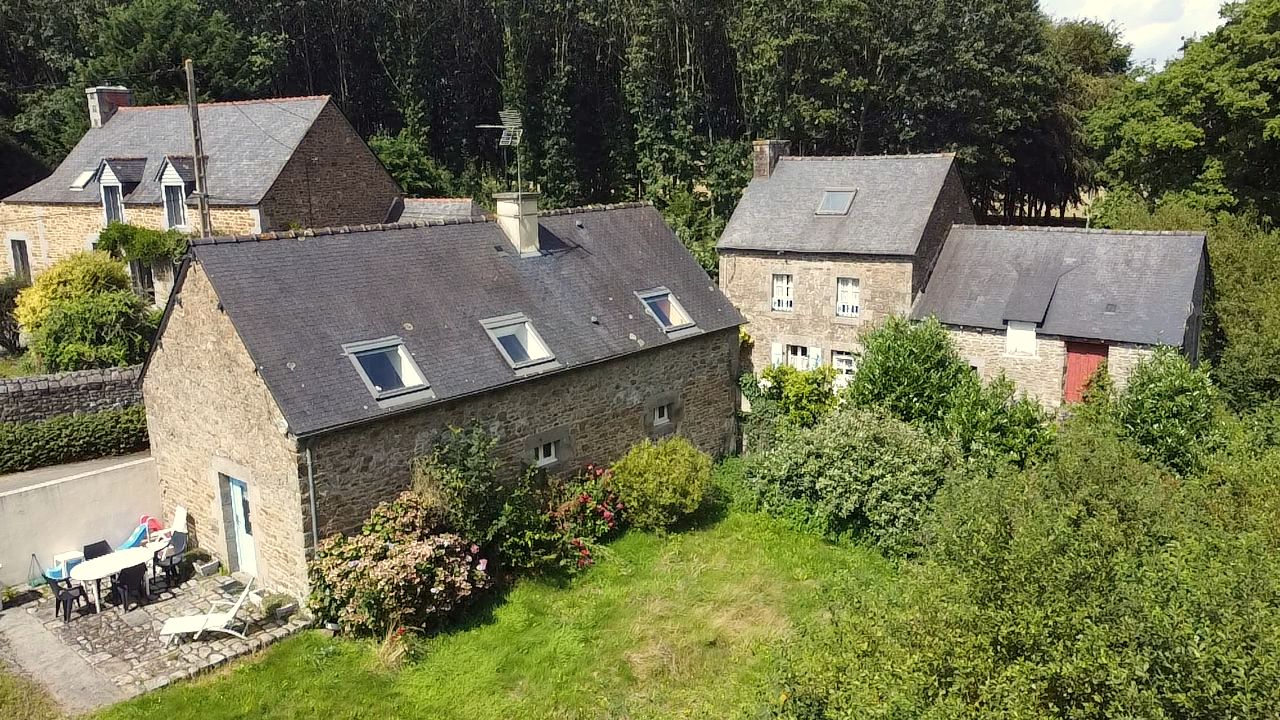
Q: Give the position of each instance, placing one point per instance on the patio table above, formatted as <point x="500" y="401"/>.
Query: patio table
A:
<point x="101" y="568"/>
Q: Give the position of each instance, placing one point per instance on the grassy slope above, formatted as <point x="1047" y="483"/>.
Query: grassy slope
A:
<point x="662" y="627"/>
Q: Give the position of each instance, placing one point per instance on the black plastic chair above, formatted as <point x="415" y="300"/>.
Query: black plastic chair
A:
<point x="97" y="550"/>
<point x="64" y="593"/>
<point x="131" y="582"/>
<point x="169" y="558"/>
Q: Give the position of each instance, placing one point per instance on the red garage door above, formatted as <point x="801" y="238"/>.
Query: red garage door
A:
<point x="1083" y="360"/>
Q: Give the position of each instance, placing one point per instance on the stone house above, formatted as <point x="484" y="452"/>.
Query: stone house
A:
<point x="298" y="374"/>
<point x="820" y="248"/>
<point x="1047" y="306"/>
<point x="271" y="164"/>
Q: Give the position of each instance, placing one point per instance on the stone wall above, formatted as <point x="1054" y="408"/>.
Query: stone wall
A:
<point x="54" y="232"/>
<point x="952" y="207"/>
<point x="332" y="179"/>
<point x="1042" y="377"/>
<point x="599" y="412"/>
<point x="43" y="396"/>
<point x="210" y="416"/>
<point x="747" y="279"/>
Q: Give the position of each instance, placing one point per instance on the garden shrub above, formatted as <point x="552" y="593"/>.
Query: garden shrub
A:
<point x="131" y="242"/>
<point x="1170" y="410"/>
<point x="112" y="329"/>
<point x="590" y="508"/>
<point x="991" y="424"/>
<point x="68" y="438"/>
<point x="464" y="475"/>
<point x="662" y="482"/>
<point x="1090" y="586"/>
<point x="398" y="572"/>
<point x="802" y="397"/>
<point x="86" y="273"/>
<point x="858" y="471"/>
<point x="10" y="286"/>
<point x="910" y="369"/>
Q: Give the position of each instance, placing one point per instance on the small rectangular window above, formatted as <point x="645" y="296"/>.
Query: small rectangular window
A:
<point x="666" y="309"/>
<point x="798" y="356"/>
<point x="518" y="341"/>
<point x="848" y="296"/>
<point x="783" y="299"/>
<point x="112" y="203"/>
<point x="144" y="282"/>
<point x="175" y="206"/>
<point x="546" y="453"/>
<point x="836" y="202"/>
<point x="1020" y="338"/>
<point x="386" y="367"/>
<point x="21" y="260"/>
<point x="662" y="414"/>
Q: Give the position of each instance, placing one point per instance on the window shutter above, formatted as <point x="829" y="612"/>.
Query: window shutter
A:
<point x="815" y="358"/>
<point x="775" y="354"/>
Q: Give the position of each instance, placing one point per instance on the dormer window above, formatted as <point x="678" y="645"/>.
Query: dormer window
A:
<point x="387" y="368"/>
<point x="836" y="201"/>
<point x="519" y="343"/>
<point x="112" y="204"/>
<point x="175" y="206"/>
<point x="666" y="309"/>
<point x="176" y="176"/>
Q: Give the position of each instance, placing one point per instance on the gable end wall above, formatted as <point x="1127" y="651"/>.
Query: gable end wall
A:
<point x="953" y="207"/>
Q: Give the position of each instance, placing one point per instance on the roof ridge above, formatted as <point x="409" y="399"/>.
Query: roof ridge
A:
<point x="439" y="199"/>
<point x="337" y="230"/>
<point x="901" y="156"/>
<point x="252" y="101"/>
<point x="594" y="208"/>
<point x="1090" y="231"/>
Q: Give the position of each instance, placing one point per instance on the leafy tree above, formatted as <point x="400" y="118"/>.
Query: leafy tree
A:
<point x="406" y="157"/>
<point x="82" y="274"/>
<point x="1169" y="409"/>
<point x="908" y="368"/>
<point x="95" y="330"/>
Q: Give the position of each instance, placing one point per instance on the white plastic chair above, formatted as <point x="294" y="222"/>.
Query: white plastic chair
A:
<point x="214" y="622"/>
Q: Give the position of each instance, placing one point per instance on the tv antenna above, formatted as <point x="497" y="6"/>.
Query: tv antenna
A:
<point x="512" y="132"/>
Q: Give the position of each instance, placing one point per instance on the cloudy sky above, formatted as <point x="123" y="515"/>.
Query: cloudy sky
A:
<point x="1155" y="28"/>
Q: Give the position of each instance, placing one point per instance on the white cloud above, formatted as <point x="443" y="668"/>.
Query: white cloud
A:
<point x="1155" y="28"/>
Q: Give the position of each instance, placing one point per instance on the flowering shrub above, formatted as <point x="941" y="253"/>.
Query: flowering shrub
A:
<point x="398" y="571"/>
<point x="591" y="509"/>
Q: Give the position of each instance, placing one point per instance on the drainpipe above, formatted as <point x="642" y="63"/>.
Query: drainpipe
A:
<point x="311" y="494"/>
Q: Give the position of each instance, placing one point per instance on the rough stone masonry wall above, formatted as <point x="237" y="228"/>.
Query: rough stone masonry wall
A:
<point x="953" y="207"/>
<point x="44" y="396"/>
<point x="208" y="412"/>
<point x="1042" y="377"/>
<point x="55" y="232"/>
<point x="603" y="408"/>
<point x="747" y="279"/>
<point x="332" y="179"/>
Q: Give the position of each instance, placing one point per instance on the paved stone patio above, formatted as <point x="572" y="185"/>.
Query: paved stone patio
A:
<point x="127" y="649"/>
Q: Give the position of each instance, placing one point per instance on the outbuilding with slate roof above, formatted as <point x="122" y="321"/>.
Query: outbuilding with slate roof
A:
<point x="298" y="374"/>
<point x="271" y="164"/>
<point x="1047" y="306"/>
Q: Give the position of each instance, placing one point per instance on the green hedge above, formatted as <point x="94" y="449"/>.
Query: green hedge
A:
<point x="68" y="438"/>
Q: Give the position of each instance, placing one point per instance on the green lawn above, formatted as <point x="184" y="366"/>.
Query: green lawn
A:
<point x="680" y="626"/>
<point x="12" y="366"/>
<point x="21" y="698"/>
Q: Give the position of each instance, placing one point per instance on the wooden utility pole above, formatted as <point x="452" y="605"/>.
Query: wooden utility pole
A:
<point x="202" y="195"/>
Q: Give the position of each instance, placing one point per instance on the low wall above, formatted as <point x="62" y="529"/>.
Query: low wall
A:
<point x="68" y="513"/>
<point x="43" y="396"/>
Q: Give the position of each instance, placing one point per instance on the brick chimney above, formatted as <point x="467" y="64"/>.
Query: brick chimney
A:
<point x="518" y="217"/>
<point x="104" y="100"/>
<point x="765" y="155"/>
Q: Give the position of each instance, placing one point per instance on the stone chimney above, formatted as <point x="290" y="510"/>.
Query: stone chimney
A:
<point x="766" y="154"/>
<point x="518" y="217"/>
<point x="104" y="101"/>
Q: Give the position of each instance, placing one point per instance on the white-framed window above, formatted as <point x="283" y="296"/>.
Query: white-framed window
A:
<point x="547" y="453"/>
<point x="844" y="362"/>
<point x="387" y="368"/>
<point x="848" y="296"/>
<point x="798" y="356"/>
<point x="836" y="201"/>
<point x="662" y="415"/>
<point x="112" y="204"/>
<point x="518" y="342"/>
<point x="21" y="258"/>
<point x="175" y="206"/>
<point x="783" y="293"/>
<point x="666" y="309"/>
<point x="1020" y="338"/>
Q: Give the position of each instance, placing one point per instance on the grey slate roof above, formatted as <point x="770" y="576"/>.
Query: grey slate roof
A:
<point x="247" y="143"/>
<point x="297" y="298"/>
<point x="428" y="209"/>
<point x="895" y="198"/>
<point x="1065" y="279"/>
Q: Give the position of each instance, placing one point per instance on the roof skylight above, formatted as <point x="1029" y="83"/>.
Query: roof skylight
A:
<point x="836" y="201"/>
<point x="387" y="368"/>
<point x="666" y="309"/>
<point x="519" y="343"/>
<point x="83" y="179"/>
